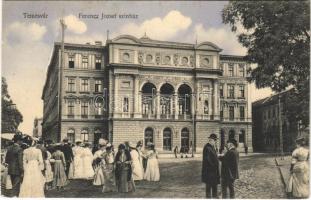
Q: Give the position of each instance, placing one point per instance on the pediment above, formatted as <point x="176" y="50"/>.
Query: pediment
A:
<point x="208" y="46"/>
<point x="128" y="39"/>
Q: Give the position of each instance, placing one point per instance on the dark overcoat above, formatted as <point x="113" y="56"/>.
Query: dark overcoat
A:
<point x="229" y="165"/>
<point x="14" y="159"/>
<point x="120" y="166"/>
<point x="210" y="166"/>
<point x="67" y="150"/>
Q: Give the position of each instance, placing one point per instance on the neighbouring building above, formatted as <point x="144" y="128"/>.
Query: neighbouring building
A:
<point x="266" y="129"/>
<point x="168" y="93"/>
<point x="37" y="127"/>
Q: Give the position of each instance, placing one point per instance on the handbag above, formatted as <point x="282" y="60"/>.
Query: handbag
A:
<point x="8" y="182"/>
<point x="289" y="186"/>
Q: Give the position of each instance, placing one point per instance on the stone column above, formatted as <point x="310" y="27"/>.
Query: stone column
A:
<point x="192" y="99"/>
<point x="116" y="95"/>
<point x="215" y="100"/>
<point x="136" y="97"/>
<point x="176" y="105"/>
<point x="139" y="103"/>
<point x="158" y="104"/>
<point x="198" y="102"/>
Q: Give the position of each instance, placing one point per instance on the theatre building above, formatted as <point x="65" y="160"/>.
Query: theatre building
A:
<point x="130" y="89"/>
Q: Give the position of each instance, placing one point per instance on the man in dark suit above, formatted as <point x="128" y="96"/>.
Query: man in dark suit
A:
<point x="14" y="160"/>
<point x="210" y="167"/>
<point x="229" y="168"/>
<point x="67" y="150"/>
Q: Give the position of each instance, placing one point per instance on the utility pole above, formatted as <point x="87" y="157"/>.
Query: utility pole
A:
<point x="60" y="79"/>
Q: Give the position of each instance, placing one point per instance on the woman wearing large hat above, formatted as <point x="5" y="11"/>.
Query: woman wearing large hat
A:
<point x="137" y="165"/>
<point x="152" y="171"/>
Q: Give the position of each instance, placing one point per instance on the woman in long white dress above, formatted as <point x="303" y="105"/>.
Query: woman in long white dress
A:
<point x="300" y="170"/>
<point x="99" y="164"/>
<point x="137" y="164"/>
<point x="77" y="162"/>
<point x="87" y="160"/>
<point x="33" y="181"/>
<point x="48" y="173"/>
<point x="152" y="171"/>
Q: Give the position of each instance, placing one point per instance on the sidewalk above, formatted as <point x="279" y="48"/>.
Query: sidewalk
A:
<point x="284" y="166"/>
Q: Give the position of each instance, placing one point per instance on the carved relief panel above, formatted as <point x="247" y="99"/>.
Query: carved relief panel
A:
<point x="206" y="61"/>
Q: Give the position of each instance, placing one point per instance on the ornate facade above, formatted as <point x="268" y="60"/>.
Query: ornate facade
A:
<point x="171" y="94"/>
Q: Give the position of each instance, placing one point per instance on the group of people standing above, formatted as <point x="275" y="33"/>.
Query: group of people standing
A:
<point x="229" y="168"/>
<point x="35" y="167"/>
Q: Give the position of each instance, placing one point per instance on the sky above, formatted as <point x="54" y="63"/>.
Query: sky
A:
<point x="27" y="42"/>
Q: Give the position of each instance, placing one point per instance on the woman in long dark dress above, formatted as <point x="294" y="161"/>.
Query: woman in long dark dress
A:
<point x="123" y="170"/>
<point x="60" y="178"/>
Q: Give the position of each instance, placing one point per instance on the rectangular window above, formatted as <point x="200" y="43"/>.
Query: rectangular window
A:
<point x="230" y="70"/>
<point x="70" y="109"/>
<point x="242" y="113"/>
<point x="221" y="112"/>
<point x="98" y="86"/>
<point x="241" y="71"/>
<point x="221" y="90"/>
<point x="84" y="62"/>
<point x="98" y="63"/>
<point x="231" y="113"/>
<point x="242" y="92"/>
<point x="221" y="67"/>
<point x="231" y="91"/>
<point x="84" y="109"/>
<point x="84" y="85"/>
<point x="71" y="84"/>
<point x="125" y="104"/>
<point x="71" y="63"/>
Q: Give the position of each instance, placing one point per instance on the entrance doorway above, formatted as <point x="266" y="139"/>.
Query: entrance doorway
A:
<point x="167" y="139"/>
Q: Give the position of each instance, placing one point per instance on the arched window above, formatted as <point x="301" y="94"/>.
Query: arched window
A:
<point x="71" y="135"/>
<point x="231" y="134"/>
<point x="167" y="139"/>
<point x="185" y="139"/>
<point x="184" y="99"/>
<point x="148" y="97"/>
<point x="167" y="91"/>
<point x="85" y="135"/>
<point x="148" y="135"/>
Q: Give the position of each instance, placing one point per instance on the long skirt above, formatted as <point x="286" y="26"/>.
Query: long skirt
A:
<point x="33" y="181"/>
<point x="99" y="178"/>
<point x="301" y="180"/>
<point x="123" y="185"/>
<point x="71" y="171"/>
<point x="109" y="179"/>
<point x="60" y="178"/>
<point x="48" y="172"/>
<point x="152" y="172"/>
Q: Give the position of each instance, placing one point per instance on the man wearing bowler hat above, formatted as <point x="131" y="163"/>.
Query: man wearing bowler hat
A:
<point x="229" y="168"/>
<point x="210" y="167"/>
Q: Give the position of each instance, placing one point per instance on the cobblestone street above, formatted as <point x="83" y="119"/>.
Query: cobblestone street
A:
<point x="181" y="178"/>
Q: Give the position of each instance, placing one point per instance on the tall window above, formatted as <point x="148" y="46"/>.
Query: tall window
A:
<point x="231" y="91"/>
<point x="98" y="108"/>
<point x="167" y="139"/>
<point x="221" y="90"/>
<point x="221" y="67"/>
<point x="85" y="135"/>
<point x="242" y="136"/>
<point x="71" y="62"/>
<point x="231" y="113"/>
<point x="71" y="84"/>
<point x="98" y="63"/>
<point x="71" y="135"/>
<point x="84" y="109"/>
<point x="241" y="71"/>
<point x="98" y="86"/>
<point x="230" y="70"/>
<point x="71" y="108"/>
<point x="221" y="112"/>
<point x="185" y="138"/>
<point x="84" y="85"/>
<point x="84" y="62"/>
<point x="125" y="104"/>
<point x="242" y="112"/>
<point x="206" y="107"/>
<point x="148" y="136"/>
<point x="242" y="91"/>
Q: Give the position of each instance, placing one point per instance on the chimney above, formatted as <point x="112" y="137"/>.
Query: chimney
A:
<point x="98" y="43"/>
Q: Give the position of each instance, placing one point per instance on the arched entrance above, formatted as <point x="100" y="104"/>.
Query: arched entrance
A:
<point x="184" y="100"/>
<point x="148" y="136"/>
<point x="167" y="139"/>
<point x="184" y="139"/>
<point x="97" y="135"/>
<point x="166" y="97"/>
<point x="242" y="138"/>
<point x="148" y="103"/>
